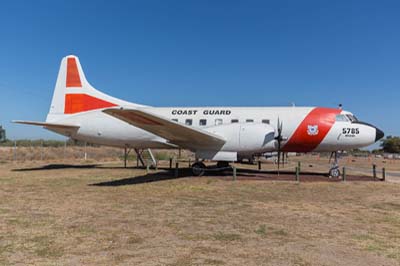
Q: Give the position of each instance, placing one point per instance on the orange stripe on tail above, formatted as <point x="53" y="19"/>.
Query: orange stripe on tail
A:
<point x="73" y="79"/>
<point x="76" y="103"/>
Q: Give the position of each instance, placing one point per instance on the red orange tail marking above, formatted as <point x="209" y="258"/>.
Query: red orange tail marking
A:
<point x="73" y="79"/>
<point x="76" y="103"/>
<point x="301" y="141"/>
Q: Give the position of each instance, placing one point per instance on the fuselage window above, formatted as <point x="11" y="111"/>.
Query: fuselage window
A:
<point x="235" y="121"/>
<point x="249" y="120"/>
<point x="265" y="121"/>
<point x="175" y="120"/>
<point x="188" y="122"/>
<point x="203" y="122"/>
<point x="218" y="121"/>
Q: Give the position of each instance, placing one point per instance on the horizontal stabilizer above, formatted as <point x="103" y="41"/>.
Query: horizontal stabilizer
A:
<point x="45" y="124"/>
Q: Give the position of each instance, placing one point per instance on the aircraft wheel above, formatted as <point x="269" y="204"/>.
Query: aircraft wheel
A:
<point x="222" y="164"/>
<point x="334" y="172"/>
<point x="198" y="168"/>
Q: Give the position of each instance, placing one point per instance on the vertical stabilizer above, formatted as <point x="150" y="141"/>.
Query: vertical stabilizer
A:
<point x="73" y="93"/>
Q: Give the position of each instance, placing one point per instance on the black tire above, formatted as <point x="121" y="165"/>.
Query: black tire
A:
<point x="334" y="172"/>
<point x="198" y="169"/>
<point x="222" y="164"/>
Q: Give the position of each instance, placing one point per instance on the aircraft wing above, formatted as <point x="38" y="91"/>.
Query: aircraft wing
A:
<point x="173" y="132"/>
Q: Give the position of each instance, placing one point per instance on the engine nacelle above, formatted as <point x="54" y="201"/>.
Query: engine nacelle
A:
<point x="246" y="137"/>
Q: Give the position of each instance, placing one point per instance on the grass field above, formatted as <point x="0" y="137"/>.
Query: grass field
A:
<point x="107" y="215"/>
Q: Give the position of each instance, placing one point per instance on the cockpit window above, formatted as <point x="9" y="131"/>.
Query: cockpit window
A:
<point x="341" y="118"/>
<point x="352" y="118"/>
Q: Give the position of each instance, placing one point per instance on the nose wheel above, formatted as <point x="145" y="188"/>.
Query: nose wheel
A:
<point x="334" y="172"/>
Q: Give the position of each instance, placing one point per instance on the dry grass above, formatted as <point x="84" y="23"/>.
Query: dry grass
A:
<point x="77" y="154"/>
<point x="58" y="217"/>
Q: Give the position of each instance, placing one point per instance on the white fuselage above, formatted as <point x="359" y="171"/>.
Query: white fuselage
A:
<point x="98" y="127"/>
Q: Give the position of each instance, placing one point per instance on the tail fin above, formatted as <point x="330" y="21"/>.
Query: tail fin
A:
<point x="73" y="93"/>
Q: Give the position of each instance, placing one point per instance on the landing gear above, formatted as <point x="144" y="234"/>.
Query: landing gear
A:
<point x="222" y="164"/>
<point x="246" y="160"/>
<point x="334" y="171"/>
<point x="198" y="168"/>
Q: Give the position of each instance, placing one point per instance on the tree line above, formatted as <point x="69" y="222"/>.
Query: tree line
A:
<point x="391" y="144"/>
<point x="42" y="143"/>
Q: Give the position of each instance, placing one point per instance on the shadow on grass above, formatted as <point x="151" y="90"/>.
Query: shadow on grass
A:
<point x="227" y="175"/>
<point x="169" y="174"/>
<point x="57" y="166"/>
<point x="165" y="174"/>
<point x="281" y="172"/>
<point x="152" y="177"/>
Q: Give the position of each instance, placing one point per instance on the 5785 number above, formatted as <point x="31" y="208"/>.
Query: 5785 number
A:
<point x="353" y="131"/>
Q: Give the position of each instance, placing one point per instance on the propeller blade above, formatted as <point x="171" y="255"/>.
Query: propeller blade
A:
<point x="279" y="128"/>
<point x="279" y="140"/>
<point x="279" y="154"/>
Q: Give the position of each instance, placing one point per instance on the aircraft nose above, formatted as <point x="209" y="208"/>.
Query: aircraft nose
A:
<point x="379" y="134"/>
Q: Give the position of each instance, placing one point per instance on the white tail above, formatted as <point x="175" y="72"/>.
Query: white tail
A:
<point x="73" y="94"/>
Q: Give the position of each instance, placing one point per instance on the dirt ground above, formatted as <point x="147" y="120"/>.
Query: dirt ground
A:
<point x="76" y="214"/>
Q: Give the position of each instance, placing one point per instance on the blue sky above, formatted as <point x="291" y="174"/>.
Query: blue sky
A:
<point x="171" y="53"/>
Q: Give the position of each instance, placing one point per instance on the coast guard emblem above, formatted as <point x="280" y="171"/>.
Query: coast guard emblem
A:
<point x="312" y="130"/>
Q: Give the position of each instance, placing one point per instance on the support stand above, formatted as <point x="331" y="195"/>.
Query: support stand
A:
<point x="126" y="154"/>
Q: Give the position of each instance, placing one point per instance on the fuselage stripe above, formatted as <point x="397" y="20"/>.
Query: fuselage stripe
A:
<point x="312" y="130"/>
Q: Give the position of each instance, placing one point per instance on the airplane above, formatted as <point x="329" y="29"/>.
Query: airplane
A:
<point x="222" y="134"/>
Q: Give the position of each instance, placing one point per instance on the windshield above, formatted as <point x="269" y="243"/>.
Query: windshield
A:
<point x="352" y="118"/>
<point x="341" y="118"/>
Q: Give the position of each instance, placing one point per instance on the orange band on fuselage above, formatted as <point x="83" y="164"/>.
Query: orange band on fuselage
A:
<point x="73" y="79"/>
<point x="321" y="120"/>
<point x="76" y="103"/>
